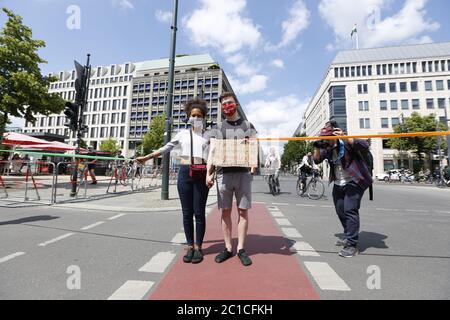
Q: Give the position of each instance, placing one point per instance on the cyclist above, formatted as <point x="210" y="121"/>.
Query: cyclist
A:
<point x="306" y="168"/>
<point x="273" y="162"/>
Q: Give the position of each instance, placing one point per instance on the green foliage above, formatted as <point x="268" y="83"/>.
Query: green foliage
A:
<point x="23" y="89"/>
<point x="294" y="151"/>
<point x="154" y="139"/>
<point x="419" y="145"/>
<point x="111" y="145"/>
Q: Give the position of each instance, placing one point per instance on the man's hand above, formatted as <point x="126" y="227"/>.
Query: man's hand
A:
<point x="210" y="180"/>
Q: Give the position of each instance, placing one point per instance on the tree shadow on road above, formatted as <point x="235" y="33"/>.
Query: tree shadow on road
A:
<point x="369" y="240"/>
<point x="28" y="219"/>
<point x="255" y="244"/>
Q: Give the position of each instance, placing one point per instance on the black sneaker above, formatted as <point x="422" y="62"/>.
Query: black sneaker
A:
<point x="223" y="256"/>
<point x="94" y="182"/>
<point x="246" y="261"/>
<point x="349" y="251"/>
<point x="198" y="256"/>
<point x="341" y="243"/>
<point x="189" y="254"/>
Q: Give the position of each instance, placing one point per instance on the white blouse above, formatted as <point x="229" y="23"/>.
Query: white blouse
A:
<point x="183" y="140"/>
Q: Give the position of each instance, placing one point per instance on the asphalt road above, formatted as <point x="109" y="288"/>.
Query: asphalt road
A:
<point x="63" y="253"/>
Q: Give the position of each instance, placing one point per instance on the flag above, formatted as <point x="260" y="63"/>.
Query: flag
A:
<point x="354" y="30"/>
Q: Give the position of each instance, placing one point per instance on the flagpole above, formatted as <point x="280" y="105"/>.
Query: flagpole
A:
<point x="357" y="40"/>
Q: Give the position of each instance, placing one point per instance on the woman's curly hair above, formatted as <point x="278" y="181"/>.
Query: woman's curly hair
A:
<point x="196" y="104"/>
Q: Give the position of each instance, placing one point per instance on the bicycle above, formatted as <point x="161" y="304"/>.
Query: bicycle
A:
<point x="273" y="186"/>
<point x="314" y="189"/>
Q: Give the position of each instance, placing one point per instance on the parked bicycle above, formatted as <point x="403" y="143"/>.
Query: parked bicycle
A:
<point x="314" y="189"/>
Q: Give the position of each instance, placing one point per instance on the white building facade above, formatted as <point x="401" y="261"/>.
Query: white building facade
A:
<point x="124" y="98"/>
<point x="370" y="91"/>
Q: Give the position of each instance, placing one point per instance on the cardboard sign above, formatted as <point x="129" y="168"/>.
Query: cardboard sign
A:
<point x="235" y="152"/>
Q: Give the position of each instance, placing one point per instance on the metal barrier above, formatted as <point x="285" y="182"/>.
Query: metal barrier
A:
<point x="13" y="168"/>
<point x="82" y="168"/>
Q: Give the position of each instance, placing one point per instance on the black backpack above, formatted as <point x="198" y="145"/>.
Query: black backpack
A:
<point x="367" y="157"/>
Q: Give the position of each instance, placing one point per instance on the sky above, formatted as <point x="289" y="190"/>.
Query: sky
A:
<point x="275" y="52"/>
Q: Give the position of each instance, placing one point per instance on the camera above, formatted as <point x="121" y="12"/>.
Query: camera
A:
<point x="322" y="144"/>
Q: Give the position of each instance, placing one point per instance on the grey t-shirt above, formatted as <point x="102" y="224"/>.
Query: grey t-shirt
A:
<point x="240" y="129"/>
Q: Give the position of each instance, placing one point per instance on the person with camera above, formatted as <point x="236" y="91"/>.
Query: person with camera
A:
<point x="351" y="177"/>
<point x="191" y="184"/>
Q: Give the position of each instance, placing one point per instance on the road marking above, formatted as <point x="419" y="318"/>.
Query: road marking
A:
<point x="93" y="225"/>
<point x="280" y="204"/>
<point x="11" y="256"/>
<point x="179" y="238"/>
<point x="325" y="277"/>
<point x="56" y="239"/>
<point x="276" y="214"/>
<point x="411" y="210"/>
<point x="259" y="202"/>
<point x="117" y="216"/>
<point x="441" y="211"/>
<point x="291" y="233"/>
<point x="273" y="208"/>
<point x="327" y="206"/>
<point x="283" y="222"/>
<point x="132" y="290"/>
<point x="384" y="209"/>
<point x="304" y="249"/>
<point x="159" y="262"/>
<point x="305" y="205"/>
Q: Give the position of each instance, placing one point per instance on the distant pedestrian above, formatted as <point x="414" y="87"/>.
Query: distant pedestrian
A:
<point x="92" y="165"/>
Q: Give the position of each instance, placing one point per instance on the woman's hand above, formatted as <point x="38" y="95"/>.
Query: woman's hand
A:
<point x="210" y="180"/>
<point x="142" y="160"/>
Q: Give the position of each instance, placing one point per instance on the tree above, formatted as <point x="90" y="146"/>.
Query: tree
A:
<point x="294" y="151"/>
<point x="23" y="89"/>
<point x="419" y="145"/>
<point x="154" y="139"/>
<point x="111" y="145"/>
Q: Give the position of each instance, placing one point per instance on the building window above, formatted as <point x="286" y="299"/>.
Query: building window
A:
<point x="395" y="122"/>
<point x="405" y="105"/>
<point x="382" y="87"/>
<point x="428" y="86"/>
<point x="124" y="104"/>
<point x="416" y="104"/>
<point x="439" y="85"/>
<point x="336" y="72"/>
<point x="384" y="123"/>
<point x="392" y="87"/>
<point x="394" y="105"/>
<point x="364" y="123"/>
<point x="441" y="103"/>
<point x="362" y="88"/>
<point x="123" y="118"/>
<point x="403" y="87"/>
<point x="414" y="86"/>
<point x="364" y="106"/>
<point x="383" y="105"/>
<point x="430" y="103"/>
<point x="113" y="71"/>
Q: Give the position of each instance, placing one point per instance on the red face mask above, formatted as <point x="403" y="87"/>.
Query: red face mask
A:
<point x="229" y="109"/>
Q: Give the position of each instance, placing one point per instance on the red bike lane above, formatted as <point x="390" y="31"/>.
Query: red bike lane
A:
<point x="276" y="273"/>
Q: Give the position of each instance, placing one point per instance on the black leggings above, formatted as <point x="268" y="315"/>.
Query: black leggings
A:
<point x="193" y="196"/>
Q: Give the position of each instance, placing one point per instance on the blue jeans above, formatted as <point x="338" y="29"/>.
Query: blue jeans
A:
<point x="193" y="196"/>
<point x="347" y="201"/>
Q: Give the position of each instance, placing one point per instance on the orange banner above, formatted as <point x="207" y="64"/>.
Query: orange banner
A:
<point x="365" y="136"/>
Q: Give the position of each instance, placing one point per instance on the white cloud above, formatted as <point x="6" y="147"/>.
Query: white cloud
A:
<point x="163" y="16"/>
<point x="278" y="63"/>
<point x="123" y="4"/>
<point x="409" y="25"/>
<point x="276" y="118"/>
<point x="253" y="84"/>
<point x="222" y="24"/>
<point x="297" y="22"/>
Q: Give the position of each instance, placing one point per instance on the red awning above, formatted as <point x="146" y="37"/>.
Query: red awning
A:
<point x="14" y="138"/>
<point x="50" y="146"/>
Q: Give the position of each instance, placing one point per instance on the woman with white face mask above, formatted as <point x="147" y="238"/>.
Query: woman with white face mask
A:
<point x="191" y="184"/>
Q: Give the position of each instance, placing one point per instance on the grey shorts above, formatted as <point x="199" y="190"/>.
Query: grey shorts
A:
<point x="239" y="183"/>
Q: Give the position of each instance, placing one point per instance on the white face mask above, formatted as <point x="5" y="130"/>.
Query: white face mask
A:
<point x="196" y="122"/>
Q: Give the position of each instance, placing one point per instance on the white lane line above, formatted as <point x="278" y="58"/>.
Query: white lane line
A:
<point x="291" y="233"/>
<point x="441" y="211"/>
<point x="43" y="244"/>
<point x="273" y="208"/>
<point x="132" y="290"/>
<point x="117" y="216"/>
<point x="304" y="249"/>
<point x="280" y="204"/>
<point x="11" y="256"/>
<point x="411" y="210"/>
<point x="93" y="225"/>
<point x="384" y="209"/>
<point x="179" y="238"/>
<point x="159" y="262"/>
<point x="259" y="202"/>
<point x="305" y="205"/>
<point x="327" y="206"/>
<point x="277" y="214"/>
<point x="325" y="277"/>
<point x="283" y="222"/>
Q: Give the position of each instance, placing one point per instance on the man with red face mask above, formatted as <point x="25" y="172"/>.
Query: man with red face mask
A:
<point x="232" y="180"/>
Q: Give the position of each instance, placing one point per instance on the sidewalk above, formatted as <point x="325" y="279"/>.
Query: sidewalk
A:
<point x="138" y="202"/>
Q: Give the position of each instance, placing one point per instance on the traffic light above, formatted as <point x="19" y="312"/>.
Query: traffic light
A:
<point x="71" y="112"/>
